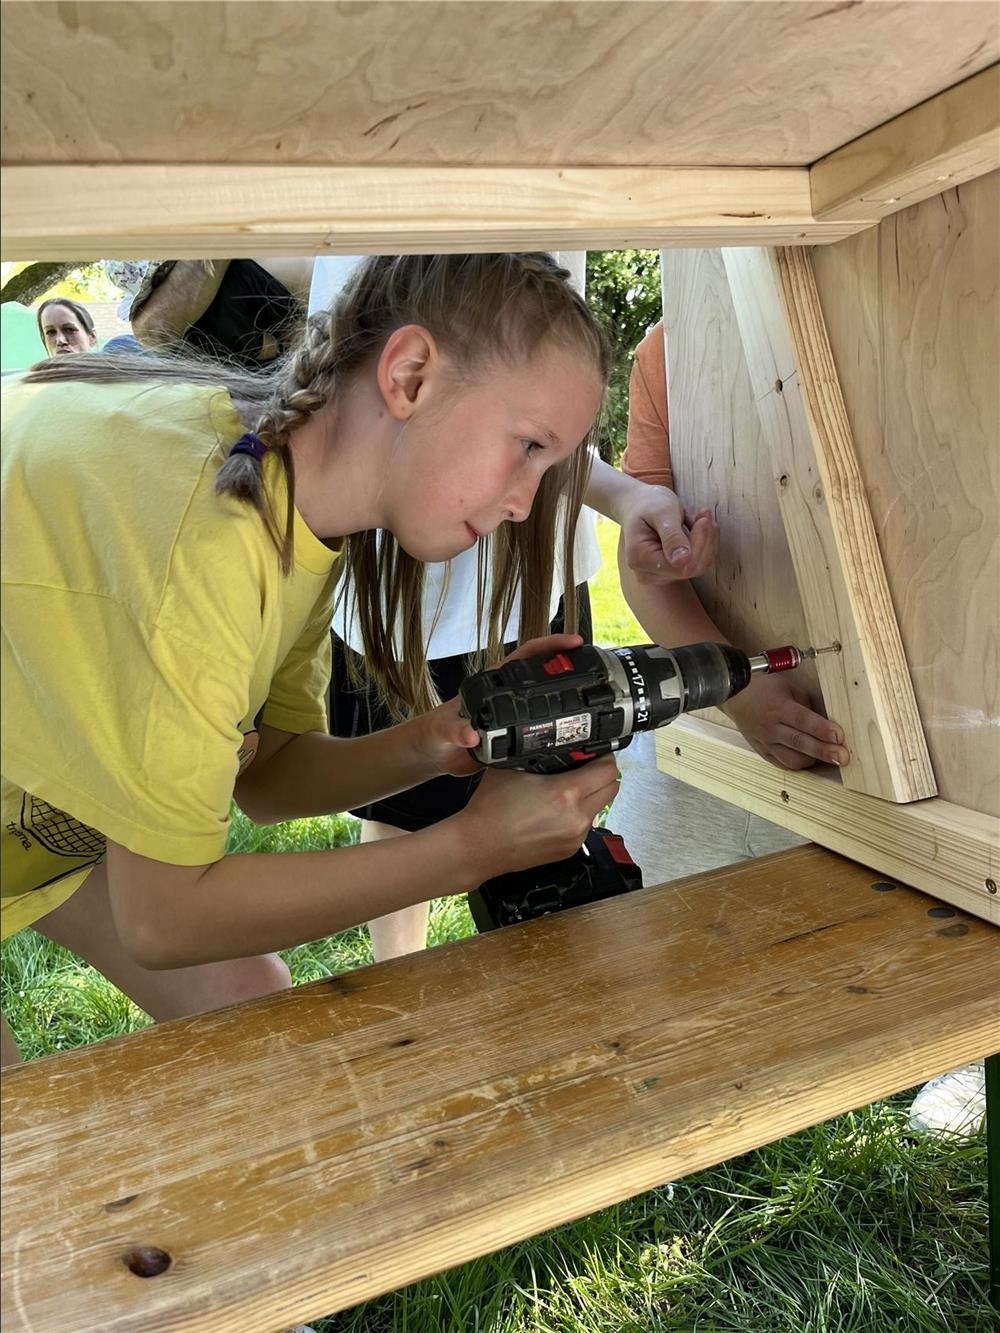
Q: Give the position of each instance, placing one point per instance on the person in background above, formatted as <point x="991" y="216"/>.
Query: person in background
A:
<point x="651" y="519"/>
<point x="65" y="327"/>
<point x="246" y="312"/>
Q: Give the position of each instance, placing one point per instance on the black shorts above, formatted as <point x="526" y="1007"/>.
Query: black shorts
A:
<point x="360" y="712"/>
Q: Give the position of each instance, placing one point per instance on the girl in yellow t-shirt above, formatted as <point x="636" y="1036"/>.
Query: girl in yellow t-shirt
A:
<point x="173" y="533"/>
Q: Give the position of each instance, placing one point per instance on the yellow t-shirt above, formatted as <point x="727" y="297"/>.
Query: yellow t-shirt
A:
<point x="147" y="629"/>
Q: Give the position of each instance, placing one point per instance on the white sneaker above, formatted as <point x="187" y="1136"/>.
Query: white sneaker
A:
<point x="952" y="1105"/>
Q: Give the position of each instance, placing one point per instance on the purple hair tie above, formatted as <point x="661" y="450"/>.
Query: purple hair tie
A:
<point x="249" y="444"/>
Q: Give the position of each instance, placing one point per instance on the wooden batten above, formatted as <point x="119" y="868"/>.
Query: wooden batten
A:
<point x="944" y="849"/>
<point x="947" y="140"/>
<point x="831" y="537"/>
<point x="190" y="210"/>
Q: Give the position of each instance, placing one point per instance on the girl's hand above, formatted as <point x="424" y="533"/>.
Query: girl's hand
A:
<point x="775" y="717"/>
<point x="516" y="820"/>
<point x="662" y="542"/>
<point x="445" y="738"/>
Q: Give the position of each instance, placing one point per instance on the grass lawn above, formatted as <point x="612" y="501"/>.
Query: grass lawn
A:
<point x="614" y="623"/>
<point x="851" y="1227"/>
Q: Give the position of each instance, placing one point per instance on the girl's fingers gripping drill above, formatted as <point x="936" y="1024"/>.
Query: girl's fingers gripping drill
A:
<point x="526" y="819"/>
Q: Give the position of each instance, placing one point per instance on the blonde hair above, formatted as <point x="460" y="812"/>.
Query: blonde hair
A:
<point x="482" y="310"/>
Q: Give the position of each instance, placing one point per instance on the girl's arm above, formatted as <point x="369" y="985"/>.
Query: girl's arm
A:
<point x="298" y="776"/>
<point x="172" y="915"/>
<point x="175" y="916"/>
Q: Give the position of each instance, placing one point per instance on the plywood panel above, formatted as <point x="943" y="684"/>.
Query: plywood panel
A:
<point x="505" y="84"/>
<point x="913" y="310"/>
<point x="720" y="459"/>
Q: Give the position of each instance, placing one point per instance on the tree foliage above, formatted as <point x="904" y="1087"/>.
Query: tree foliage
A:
<point x="34" y="280"/>
<point x="623" y="290"/>
<point x="29" y="282"/>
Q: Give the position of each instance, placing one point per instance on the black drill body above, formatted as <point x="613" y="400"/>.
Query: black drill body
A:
<point x="549" y="714"/>
<point x="602" y="868"/>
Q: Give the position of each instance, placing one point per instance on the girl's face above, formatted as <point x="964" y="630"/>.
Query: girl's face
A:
<point x="477" y="460"/>
<point x="63" y="333"/>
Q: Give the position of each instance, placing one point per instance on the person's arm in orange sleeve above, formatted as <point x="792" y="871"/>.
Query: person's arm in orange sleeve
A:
<point x="647" y="448"/>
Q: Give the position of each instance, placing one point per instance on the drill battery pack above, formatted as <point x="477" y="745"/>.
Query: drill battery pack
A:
<point x="602" y="868"/>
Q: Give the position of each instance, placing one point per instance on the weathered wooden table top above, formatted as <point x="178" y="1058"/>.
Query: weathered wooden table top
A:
<point x="293" y="1156"/>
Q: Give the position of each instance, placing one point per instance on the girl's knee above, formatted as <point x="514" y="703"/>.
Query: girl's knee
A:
<point x="215" y="985"/>
<point x="9" y="1053"/>
<point x="274" y="973"/>
<point x="263" y="975"/>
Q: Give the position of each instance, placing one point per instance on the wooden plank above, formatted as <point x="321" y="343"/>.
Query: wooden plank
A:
<point x="828" y="524"/>
<point x="944" y="849"/>
<point x="531" y="84"/>
<point x="913" y="313"/>
<point x="300" y="1154"/>
<point x="198" y="211"/>
<point x="952" y="138"/>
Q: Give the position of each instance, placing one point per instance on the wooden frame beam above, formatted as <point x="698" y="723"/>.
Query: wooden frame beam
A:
<point x="941" y="143"/>
<point x="214" y="211"/>
<point x="944" y="849"/>
<point x="831" y="537"/>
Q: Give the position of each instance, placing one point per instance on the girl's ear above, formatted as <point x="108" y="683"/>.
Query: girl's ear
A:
<point x="406" y="367"/>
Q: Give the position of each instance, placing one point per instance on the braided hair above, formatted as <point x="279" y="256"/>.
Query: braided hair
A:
<point x="483" y="310"/>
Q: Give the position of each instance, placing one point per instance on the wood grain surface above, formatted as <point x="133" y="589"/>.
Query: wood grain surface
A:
<point x="530" y="84"/>
<point x="944" y="849"/>
<point x="831" y="536"/>
<point x="720" y="459"/>
<point x="913" y="313"/>
<point x="948" y="140"/>
<point x="296" y="1155"/>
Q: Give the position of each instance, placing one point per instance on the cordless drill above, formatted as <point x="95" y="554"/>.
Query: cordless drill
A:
<point x="549" y="714"/>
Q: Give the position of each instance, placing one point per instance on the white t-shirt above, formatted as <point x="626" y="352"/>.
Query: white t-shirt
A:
<point x="455" y="630"/>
